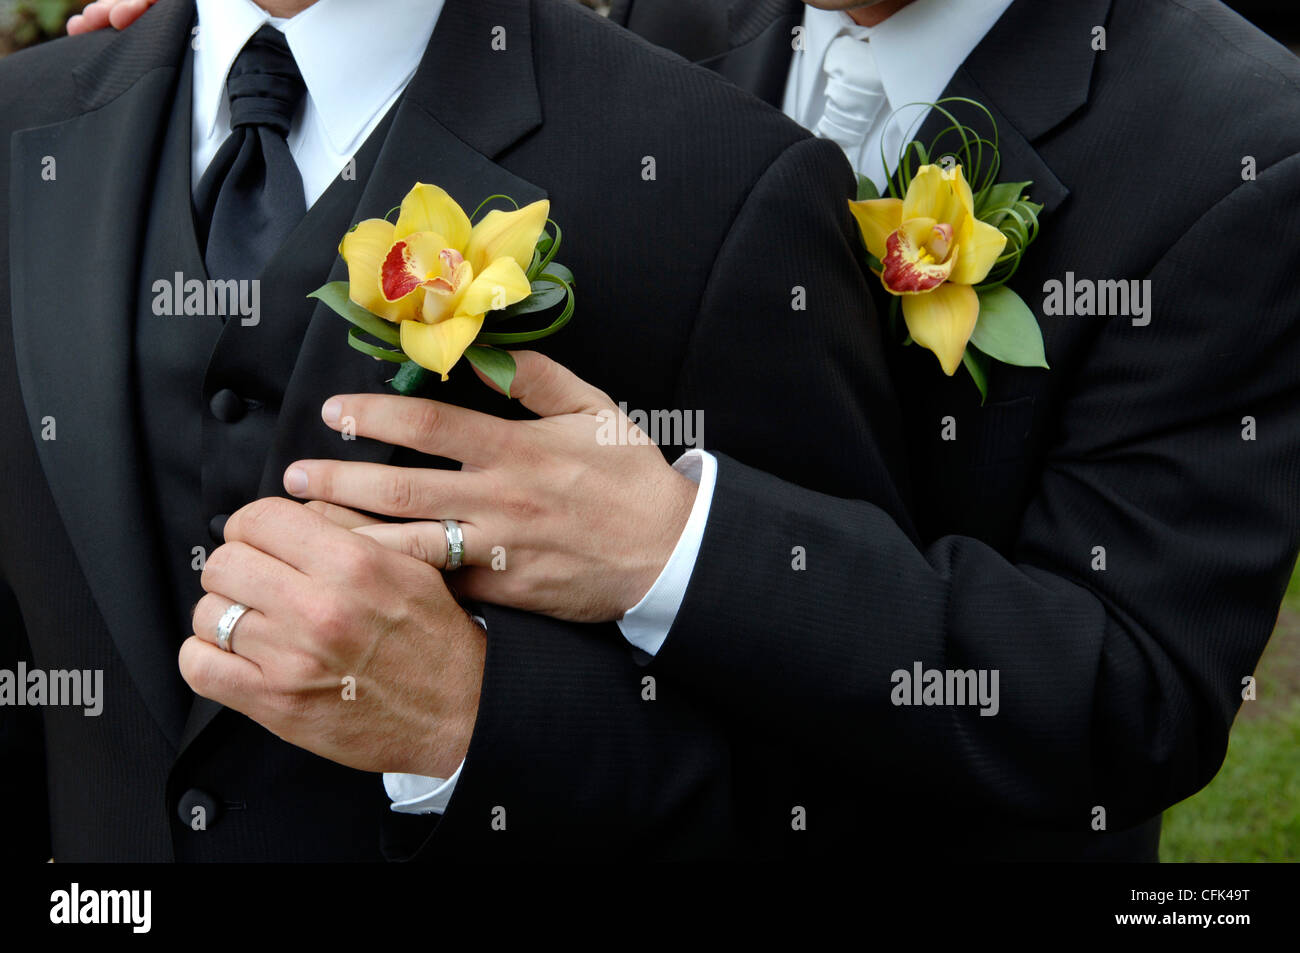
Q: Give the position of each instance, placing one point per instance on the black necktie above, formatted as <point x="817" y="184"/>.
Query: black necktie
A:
<point x="251" y="196"/>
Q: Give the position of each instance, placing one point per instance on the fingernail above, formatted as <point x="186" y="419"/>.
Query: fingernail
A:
<point x="295" y="481"/>
<point x="332" y="411"/>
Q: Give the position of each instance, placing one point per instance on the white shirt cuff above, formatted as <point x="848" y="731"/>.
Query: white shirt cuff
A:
<point x="647" y="623"/>
<point x="416" y="794"/>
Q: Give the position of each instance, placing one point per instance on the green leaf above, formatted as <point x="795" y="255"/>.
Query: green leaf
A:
<point x="497" y="365"/>
<point x="1007" y="330"/>
<point x="977" y="364"/>
<point x="523" y="337"/>
<point x="556" y="270"/>
<point x="546" y="295"/>
<point x="374" y="350"/>
<point x="866" y="189"/>
<point x="335" y="296"/>
<point x="998" y="199"/>
<point x="543" y="251"/>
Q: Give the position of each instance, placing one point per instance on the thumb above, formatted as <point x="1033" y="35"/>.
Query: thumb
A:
<point x="549" y="389"/>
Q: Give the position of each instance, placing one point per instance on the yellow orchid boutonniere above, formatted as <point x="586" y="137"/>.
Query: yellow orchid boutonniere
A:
<point x="427" y="284"/>
<point x="946" y="251"/>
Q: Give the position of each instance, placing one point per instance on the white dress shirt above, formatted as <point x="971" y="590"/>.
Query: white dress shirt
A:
<point x="355" y="59"/>
<point x="917" y="50"/>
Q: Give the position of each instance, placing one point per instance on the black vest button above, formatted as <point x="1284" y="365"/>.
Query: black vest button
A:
<point x="198" y="810"/>
<point x="217" y="527"/>
<point x="227" y="406"/>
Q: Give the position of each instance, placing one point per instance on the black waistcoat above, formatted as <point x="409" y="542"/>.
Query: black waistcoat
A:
<point x="209" y="387"/>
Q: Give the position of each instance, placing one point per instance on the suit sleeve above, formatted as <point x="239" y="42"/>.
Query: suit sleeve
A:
<point x="23" y="803"/>
<point x="1177" y="452"/>
<point x="574" y="751"/>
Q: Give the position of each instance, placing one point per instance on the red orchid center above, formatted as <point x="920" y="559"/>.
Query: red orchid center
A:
<point x="420" y="261"/>
<point x="919" y="256"/>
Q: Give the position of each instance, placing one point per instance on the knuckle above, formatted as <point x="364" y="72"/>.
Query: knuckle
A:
<point x="362" y="561"/>
<point x="399" y="494"/>
<point x="218" y="562"/>
<point x="256" y="516"/>
<point x="519" y="509"/>
<point x="326" y="619"/>
<point x="515" y="589"/>
<point x="287" y="678"/>
<point x="424" y="417"/>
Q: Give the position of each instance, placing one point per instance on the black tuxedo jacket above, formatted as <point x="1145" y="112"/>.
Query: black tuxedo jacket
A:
<point x="1112" y="535"/>
<point x="691" y="213"/>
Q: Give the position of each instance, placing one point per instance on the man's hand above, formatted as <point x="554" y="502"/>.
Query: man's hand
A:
<point x="557" y="518"/>
<point x="118" y="14"/>
<point x="350" y="650"/>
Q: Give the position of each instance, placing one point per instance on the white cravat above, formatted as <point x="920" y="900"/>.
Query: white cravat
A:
<point x="855" y="92"/>
<point x="913" y="55"/>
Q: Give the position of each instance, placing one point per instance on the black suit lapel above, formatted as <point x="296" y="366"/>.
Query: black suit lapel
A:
<point x="74" y="262"/>
<point x="1033" y="70"/>
<point x="466" y="104"/>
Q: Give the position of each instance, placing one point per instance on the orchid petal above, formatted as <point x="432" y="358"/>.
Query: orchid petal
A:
<point x="501" y="285"/>
<point x="507" y="235"/>
<point x="956" y="179"/>
<point x="428" y="208"/>
<point x="980" y="247"/>
<point x="942" y="321"/>
<point x="437" y="347"/>
<point x="364" y="249"/>
<point x="876" y="219"/>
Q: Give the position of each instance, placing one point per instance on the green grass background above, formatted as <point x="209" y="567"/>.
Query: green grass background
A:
<point x="1251" y="810"/>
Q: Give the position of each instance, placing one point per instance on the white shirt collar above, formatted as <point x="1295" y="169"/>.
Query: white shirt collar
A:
<point x="334" y="42"/>
<point x="917" y="49"/>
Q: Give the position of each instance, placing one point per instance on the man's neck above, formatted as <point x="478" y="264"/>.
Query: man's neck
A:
<point x="284" y="9"/>
<point x="877" y="13"/>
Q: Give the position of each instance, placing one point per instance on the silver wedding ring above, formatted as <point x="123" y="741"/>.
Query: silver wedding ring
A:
<point x="455" y="545"/>
<point x="226" y="625"/>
